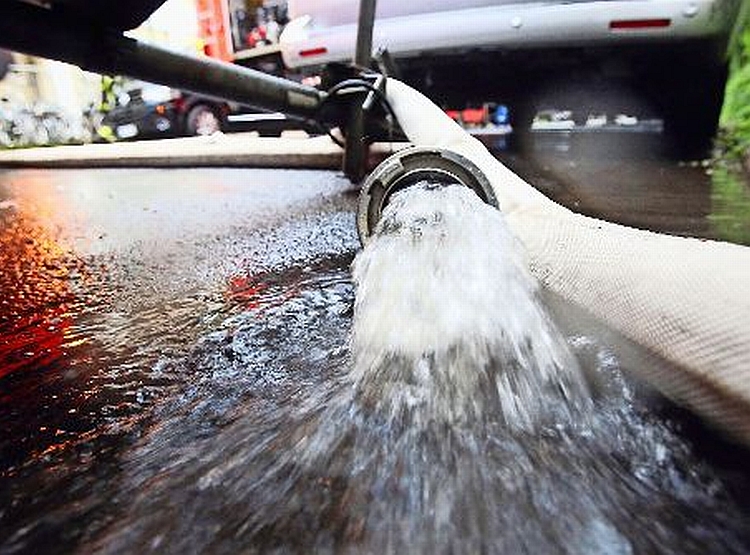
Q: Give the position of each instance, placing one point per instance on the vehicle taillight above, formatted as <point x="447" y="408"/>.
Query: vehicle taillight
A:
<point x="179" y="104"/>
<point x="313" y="51"/>
<point x="631" y="24"/>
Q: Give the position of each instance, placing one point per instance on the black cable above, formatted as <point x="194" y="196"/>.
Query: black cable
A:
<point x="349" y="86"/>
<point x="355" y="83"/>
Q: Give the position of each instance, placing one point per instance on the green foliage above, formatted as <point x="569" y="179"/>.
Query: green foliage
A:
<point x="730" y="203"/>
<point x="735" y="115"/>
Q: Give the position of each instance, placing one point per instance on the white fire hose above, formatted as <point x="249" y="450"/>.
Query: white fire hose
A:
<point x="685" y="300"/>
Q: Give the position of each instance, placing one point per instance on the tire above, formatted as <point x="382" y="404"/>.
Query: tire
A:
<point x="203" y="119"/>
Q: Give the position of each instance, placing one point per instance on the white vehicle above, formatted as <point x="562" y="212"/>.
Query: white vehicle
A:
<point x="626" y="120"/>
<point x="672" y="53"/>
<point x="596" y="120"/>
<point x="553" y="120"/>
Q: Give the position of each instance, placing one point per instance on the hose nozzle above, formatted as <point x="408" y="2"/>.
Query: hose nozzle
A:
<point x="408" y="167"/>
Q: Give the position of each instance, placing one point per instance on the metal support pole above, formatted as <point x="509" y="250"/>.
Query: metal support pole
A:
<point x="365" y="24"/>
<point x="356" y="145"/>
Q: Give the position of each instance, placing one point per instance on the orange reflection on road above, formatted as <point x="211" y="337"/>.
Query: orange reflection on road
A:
<point x="35" y="283"/>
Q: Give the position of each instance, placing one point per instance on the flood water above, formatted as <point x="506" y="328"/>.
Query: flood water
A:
<point x="636" y="179"/>
<point x="179" y="374"/>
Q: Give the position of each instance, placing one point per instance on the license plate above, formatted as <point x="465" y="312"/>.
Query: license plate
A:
<point x="126" y="131"/>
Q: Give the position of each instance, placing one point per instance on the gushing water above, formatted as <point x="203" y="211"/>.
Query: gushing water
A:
<point x="465" y="424"/>
<point x="447" y="324"/>
<point x="453" y="358"/>
<point x="457" y="421"/>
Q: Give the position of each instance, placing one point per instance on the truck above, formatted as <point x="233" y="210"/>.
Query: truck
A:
<point x="245" y="32"/>
<point x="653" y="58"/>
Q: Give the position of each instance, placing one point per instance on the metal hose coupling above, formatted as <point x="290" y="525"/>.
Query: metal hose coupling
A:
<point x="408" y="167"/>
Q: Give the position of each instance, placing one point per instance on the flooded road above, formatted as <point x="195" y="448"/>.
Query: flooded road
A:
<point x="635" y="179"/>
<point x="170" y="338"/>
<point x="109" y="277"/>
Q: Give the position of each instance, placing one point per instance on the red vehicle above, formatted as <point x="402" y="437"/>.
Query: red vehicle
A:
<point x="243" y="32"/>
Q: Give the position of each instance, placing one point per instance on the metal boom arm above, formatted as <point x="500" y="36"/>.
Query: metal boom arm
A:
<point x="58" y="35"/>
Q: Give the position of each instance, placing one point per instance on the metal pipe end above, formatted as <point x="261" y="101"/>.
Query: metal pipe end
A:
<point x="408" y="167"/>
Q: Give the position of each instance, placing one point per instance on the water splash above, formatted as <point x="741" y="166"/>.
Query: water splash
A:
<point x="466" y="424"/>
<point x="461" y="423"/>
<point x="448" y="325"/>
<point x="456" y="371"/>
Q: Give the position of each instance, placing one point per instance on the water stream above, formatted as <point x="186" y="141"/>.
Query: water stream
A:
<point x="457" y="420"/>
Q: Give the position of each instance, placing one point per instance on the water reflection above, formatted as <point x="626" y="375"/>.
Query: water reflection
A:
<point x="36" y="287"/>
<point x="730" y="203"/>
<point x="636" y="179"/>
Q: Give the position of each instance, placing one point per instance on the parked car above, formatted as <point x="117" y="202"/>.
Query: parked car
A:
<point x="666" y="56"/>
<point x="143" y="110"/>
<point x="146" y="110"/>
<point x="553" y="120"/>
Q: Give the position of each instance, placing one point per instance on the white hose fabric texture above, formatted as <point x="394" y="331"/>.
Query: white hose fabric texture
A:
<point x="685" y="300"/>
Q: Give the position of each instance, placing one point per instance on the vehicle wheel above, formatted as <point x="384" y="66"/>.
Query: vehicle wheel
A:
<point x="203" y="120"/>
<point x="691" y="118"/>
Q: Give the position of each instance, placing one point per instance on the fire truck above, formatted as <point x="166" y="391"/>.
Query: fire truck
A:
<point x="245" y="32"/>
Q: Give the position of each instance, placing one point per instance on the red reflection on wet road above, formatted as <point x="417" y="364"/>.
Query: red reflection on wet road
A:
<point x="245" y="291"/>
<point x="33" y="341"/>
<point x="35" y="292"/>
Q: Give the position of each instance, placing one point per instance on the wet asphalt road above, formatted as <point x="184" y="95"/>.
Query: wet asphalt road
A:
<point x="108" y="276"/>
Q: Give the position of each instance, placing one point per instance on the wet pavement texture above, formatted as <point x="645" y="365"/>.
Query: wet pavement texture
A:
<point x="144" y="312"/>
<point x="108" y="276"/>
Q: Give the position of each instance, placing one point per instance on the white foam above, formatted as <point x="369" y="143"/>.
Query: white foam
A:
<point x="443" y="289"/>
